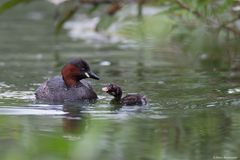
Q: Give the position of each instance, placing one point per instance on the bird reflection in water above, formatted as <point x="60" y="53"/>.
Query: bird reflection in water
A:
<point x="74" y="122"/>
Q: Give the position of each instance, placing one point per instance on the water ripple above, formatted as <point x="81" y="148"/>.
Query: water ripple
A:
<point x="28" y="111"/>
<point x="4" y="85"/>
<point x="17" y="95"/>
<point x="233" y="91"/>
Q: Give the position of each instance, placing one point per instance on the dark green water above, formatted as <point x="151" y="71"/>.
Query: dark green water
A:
<point x="193" y="113"/>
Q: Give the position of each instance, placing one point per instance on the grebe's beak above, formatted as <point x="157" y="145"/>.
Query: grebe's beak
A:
<point x="91" y="75"/>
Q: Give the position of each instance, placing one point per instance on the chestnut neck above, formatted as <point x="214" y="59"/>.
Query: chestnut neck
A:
<point x="70" y="74"/>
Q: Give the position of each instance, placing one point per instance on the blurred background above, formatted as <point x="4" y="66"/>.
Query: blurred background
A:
<point x="182" y="54"/>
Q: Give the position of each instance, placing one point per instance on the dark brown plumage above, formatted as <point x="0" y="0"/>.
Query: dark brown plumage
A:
<point x="71" y="86"/>
<point x="128" y="100"/>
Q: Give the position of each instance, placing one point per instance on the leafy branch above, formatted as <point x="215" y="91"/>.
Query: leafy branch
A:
<point x="11" y="3"/>
<point x="226" y="25"/>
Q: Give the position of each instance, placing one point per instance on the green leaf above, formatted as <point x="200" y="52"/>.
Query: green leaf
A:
<point x="11" y="3"/>
<point x="68" y="14"/>
<point x="93" y="9"/>
<point x="224" y="6"/>
<point x="105" y="22"/>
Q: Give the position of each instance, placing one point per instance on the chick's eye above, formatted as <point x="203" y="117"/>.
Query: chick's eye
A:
<point x="83" y="69"/>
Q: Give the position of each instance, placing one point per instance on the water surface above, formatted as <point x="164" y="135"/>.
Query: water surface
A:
<point x="193" y="112"/>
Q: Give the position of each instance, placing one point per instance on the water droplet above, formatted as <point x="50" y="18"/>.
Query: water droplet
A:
<point x="105" y="63"/>
<point x="2" y="64"/>
<point x="39" y="56"/>
<point x="161" y="82"/>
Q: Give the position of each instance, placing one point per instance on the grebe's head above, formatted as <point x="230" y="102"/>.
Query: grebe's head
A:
<point x="76" y="70"/>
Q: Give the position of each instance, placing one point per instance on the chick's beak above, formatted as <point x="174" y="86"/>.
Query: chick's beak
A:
<point x="104" y="89"/>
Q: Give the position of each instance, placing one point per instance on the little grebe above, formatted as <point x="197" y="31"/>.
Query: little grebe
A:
<point x="129" y="100"/>
<point x="71" y="86"/>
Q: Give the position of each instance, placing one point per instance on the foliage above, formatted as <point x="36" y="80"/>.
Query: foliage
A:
<point x="67" y="13"/>
<point x="11" y="3"/>
<point x="152" y="31"/>
<point x="198" y="26"/>
<point x="216" y="14"/>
